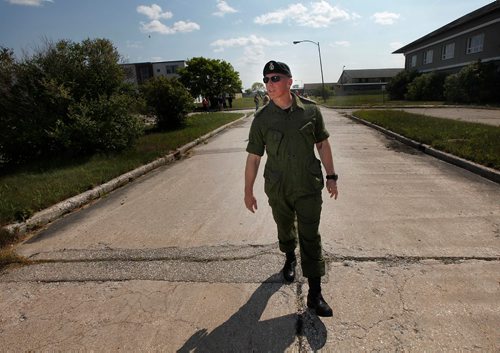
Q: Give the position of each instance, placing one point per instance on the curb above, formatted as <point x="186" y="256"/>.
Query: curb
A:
<point x="58" y="210"/>
<point x="485" y="172"/>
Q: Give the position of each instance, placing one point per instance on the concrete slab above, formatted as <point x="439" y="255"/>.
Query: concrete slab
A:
<point x="395" y="200"/>
<point x="428" y="306"/>
<point x="140" y="316"/>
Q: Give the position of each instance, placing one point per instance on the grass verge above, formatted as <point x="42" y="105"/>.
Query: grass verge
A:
<point x="40" y="185"/>
<point x="478" y="143"/>
<point x="374" y="99"/>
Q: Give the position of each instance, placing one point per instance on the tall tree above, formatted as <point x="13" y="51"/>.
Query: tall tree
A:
<point x="210" y="77"/>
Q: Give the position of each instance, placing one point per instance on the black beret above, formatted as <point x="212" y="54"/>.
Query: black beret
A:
<point x="276" y="67"/>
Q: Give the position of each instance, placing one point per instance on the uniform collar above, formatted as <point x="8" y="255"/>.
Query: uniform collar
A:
<point x="296" y="104"/>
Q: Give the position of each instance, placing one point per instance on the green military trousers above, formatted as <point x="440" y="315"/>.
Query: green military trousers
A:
<point x="306" y="210"/>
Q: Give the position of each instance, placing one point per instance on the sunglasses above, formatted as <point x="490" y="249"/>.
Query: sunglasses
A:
<point x="273" y="79"/>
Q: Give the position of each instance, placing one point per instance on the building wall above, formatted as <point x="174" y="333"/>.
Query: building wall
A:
<point x="488" y="26"/>
<point x="167" y="69"/>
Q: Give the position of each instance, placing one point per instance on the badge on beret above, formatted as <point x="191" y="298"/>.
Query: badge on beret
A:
<point x="271" y="66"/>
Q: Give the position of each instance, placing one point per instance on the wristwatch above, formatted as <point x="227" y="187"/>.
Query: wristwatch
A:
<point x="332" y="177"/>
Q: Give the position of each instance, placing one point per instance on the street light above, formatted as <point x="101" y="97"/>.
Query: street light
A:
<point x="320" y="64"/>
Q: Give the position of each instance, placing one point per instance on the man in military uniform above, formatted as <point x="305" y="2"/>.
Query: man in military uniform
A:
<point x="288" y="128"/>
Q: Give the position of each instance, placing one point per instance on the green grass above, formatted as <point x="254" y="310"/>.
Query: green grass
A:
<point x="38" y="186"/>
<point x="372" y="99"/>
<point x="475" y="142"/>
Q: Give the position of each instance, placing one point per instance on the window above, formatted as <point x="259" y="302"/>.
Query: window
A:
<point x="171" y="69"/>
<point x="413" y="61"/>
<point x="448" y="51"/>
<point x="475" y="43"/>
<point x="428" y="56"/>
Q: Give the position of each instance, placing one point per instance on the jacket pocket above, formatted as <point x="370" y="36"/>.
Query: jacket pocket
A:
<point x="308" y="132"/>
<point x="273" y="141"/>
<point x="315" y="174"/>
<point x="272" y="182"/>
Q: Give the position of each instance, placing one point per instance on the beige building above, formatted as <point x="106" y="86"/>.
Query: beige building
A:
<point x="137" y="73"/>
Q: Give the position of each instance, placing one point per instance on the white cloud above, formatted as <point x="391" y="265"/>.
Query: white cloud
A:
<point x="154" y="12"/>
<point x="341" y="43"/>
<point x="158" y="27"/>
<point x="319" y="14"/>
<point x="223" y="8"/>
<point x="245" y="41"/>
<point x="385" y="18"/>
<point x="28" y="2"/>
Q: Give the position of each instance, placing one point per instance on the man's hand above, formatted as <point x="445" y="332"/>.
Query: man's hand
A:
<point x="251" y="168"/>
<point x="331" y="187"/>
<point x="250" y="202"/>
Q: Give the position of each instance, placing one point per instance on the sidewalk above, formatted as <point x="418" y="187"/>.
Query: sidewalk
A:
<point x="174" y="262"/>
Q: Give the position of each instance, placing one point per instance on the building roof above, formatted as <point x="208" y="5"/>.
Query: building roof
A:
<point x="371" y="73"/>
<point x="485" y="10"/>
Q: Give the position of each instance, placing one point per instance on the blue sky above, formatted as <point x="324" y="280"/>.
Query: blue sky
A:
<point x="357" y="34"/>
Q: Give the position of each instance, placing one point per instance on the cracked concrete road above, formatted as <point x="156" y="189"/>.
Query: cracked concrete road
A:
<point x="173" y="262"/>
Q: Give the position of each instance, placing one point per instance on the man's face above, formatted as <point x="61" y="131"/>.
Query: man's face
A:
<point x="277" y="85"/>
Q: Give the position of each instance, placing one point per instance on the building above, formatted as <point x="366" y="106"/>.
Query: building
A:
<point x="137" y="73"/>
<point x="356" y="81"/>
<point x="473" y="37"/>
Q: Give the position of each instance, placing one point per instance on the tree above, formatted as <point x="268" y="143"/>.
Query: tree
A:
<point x="427" y="86"/>
<point x="169" y="100"/>
<point x="209" y="77"/>
<point x="258" y="87"/>
<point x="60" y="91"/>
<point x="398" y="85"/>
<point x="475" y="83"/>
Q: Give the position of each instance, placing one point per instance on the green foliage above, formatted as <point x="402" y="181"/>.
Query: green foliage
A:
<point x="169" y="100"/>
<point x="398" y="85"/>
<point x="476" y="83"/>
<point x="210" y="77"/>
<point x="45" y="93"/>
<point x="98" y="125"/>
<point x="426" y="87"/>
<point x="257" y="86"/>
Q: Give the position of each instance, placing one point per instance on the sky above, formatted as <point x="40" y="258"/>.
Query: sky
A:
<point x="352" y="34"/>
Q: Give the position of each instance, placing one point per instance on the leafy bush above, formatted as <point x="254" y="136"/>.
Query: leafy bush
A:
<point x="169" y="100"/>
<point x="62" y="84"/>
<point x="98" y="125"/>
<point x="426" y="87"/>
<point x="475" y="83"/>
<point x="398" y="85"/>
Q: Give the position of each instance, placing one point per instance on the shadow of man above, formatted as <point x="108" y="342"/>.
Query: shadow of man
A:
<point x="243" y="332"/>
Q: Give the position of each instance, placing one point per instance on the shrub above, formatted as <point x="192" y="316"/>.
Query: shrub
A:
<point x="63" y="83"/>
<point x="426" y="87"/>
<point x="397" y="87"/>
<point x="99" y="125"/>
<point x="475" y="83"/>
<point x="169" y="100"/>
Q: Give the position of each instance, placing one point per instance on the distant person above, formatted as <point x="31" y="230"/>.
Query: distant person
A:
<point x="256" y="101"/>
<point x="205" y="104"/>
<point x="288" y="129"/>
<point x="230" y="101"/>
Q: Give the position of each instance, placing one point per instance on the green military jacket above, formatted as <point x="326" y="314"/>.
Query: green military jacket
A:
<point x="289" y="138"/>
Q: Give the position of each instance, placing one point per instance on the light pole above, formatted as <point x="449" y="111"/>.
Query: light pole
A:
<point x="320" y="64"/>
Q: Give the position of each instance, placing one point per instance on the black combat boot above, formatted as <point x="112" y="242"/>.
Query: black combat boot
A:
<point x="315" y="299"/>
<point x="289" y="267"/>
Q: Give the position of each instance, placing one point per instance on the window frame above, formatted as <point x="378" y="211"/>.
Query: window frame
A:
<point x="478" y="47"/>
<point x="428" y="56"/>
<point x="448" y="54"/>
